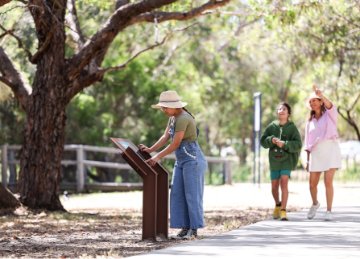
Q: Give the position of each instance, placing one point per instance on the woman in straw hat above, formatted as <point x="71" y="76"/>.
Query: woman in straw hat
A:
<point x="186" y="197"/>
<point x="322" y="147"/>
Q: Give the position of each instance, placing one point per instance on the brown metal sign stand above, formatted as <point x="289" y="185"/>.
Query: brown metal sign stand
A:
<point x="155" y="190"/>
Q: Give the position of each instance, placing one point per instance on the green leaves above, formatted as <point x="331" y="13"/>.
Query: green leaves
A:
<point x="100" y="5"/>
<point x="5" y="92"/>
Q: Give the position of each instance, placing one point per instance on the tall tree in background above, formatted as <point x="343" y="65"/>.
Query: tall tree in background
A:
<point x="325" y="40"/>
<point x="59" y="76"/>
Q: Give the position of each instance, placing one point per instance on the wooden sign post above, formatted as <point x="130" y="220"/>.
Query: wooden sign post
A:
<point x="155" y="189"/>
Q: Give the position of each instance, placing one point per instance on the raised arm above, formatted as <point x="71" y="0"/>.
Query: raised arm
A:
<point x="328" y="104"/>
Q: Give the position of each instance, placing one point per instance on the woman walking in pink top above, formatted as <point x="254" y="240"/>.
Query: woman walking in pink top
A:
<point x="322" y="147"/>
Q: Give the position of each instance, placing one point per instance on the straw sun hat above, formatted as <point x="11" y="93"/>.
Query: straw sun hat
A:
<point x="312" y="96"/>
<point x="169" y="99"/>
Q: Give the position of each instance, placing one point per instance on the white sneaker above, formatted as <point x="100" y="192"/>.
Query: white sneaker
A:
<point x="328" y="216"/>
<point x="312" y="212"/>
<point x="191" y="234"/>
<point x="183" y="232"/>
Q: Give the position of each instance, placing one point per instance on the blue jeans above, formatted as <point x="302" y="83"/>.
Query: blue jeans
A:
<point x="187" y="189"/>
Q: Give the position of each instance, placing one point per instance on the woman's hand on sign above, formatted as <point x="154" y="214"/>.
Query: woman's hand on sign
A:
<point x="152" y="161"/>
<point x="144" y="148"/>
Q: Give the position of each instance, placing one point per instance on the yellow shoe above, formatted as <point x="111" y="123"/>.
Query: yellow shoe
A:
<point x="283" y="215"/>
<point x="276" y="212"/>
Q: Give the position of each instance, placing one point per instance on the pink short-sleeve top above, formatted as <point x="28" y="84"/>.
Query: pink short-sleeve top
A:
<point x="324" y="128"/>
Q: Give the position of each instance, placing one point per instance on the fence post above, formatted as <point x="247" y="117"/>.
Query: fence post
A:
<point x="12" y="168"/>
<point x="4" y="165"/>
<point x="80" y="172"/>
<point x="227" y="172"/>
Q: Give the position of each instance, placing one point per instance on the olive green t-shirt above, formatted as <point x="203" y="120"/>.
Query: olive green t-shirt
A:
<point x="185" y="122"/>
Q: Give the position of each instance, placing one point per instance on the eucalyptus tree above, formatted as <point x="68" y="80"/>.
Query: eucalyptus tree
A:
<point x="333" y="40"/>
<point x="65" y="63"/>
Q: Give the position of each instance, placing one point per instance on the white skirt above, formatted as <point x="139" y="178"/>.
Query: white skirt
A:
<point x="324" y="156"/>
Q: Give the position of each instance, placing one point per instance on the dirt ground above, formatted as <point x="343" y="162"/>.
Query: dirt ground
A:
<point x="98" y="234"/>
<point x="109" y="225"/>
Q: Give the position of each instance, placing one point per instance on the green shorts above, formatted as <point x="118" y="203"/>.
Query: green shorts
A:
<point x="275" y="175"/>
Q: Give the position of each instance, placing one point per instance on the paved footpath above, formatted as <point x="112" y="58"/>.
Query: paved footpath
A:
<point x="296" y="238"/>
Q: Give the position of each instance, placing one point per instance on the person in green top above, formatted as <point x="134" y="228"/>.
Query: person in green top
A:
<point x="283" y="140"/>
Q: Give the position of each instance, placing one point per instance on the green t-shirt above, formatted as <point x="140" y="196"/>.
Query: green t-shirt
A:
<point x="185" y="122"/>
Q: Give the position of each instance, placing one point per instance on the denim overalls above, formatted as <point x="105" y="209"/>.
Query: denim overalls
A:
<point x="187" y="187"/>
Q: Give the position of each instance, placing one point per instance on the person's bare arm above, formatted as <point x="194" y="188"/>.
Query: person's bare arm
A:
<point x="158" y="144"/>
<point x="169" y="149"/>
<point x="307" y="160"/>
<point x="328" y="104"/>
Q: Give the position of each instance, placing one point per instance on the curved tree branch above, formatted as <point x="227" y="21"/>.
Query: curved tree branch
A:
<point x="346" y="115"/>
<point x="159" y="43"/>
<point x="11" y="77"/>
<point x="239" y="29"/>
<point x="4" y="2"/>
<point x="86" y="80"/>
<point x="4" y="34"/>
<point x="100" y="42"/>
<point x="19" y="41"/>
<point x="74" y="25"/>
<point x="180" y="16"/>
<point x="43" y="47"/>
<point x="355" y="102"/>
<point x="349" y="119"/>
<point x="45" y="20"/>
<point x="122" y="66"/>
<point x="125" y="16"/>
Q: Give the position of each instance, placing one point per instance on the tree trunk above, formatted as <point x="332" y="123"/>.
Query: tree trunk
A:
<point x="42" y="152"/>
<point x="43" y="145"/>
<point x="243" y="151"/>
<point x="349" y="119"/>
<point x="7" y="199"/>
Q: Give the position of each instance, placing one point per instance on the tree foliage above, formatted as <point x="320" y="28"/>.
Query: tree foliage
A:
<point x="67" y="57"/>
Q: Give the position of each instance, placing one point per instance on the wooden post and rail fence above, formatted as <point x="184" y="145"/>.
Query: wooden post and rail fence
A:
<point x="10" y="164"/>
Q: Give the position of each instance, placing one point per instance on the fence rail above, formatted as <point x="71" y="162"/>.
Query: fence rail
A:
<point x="9" y="163"/>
